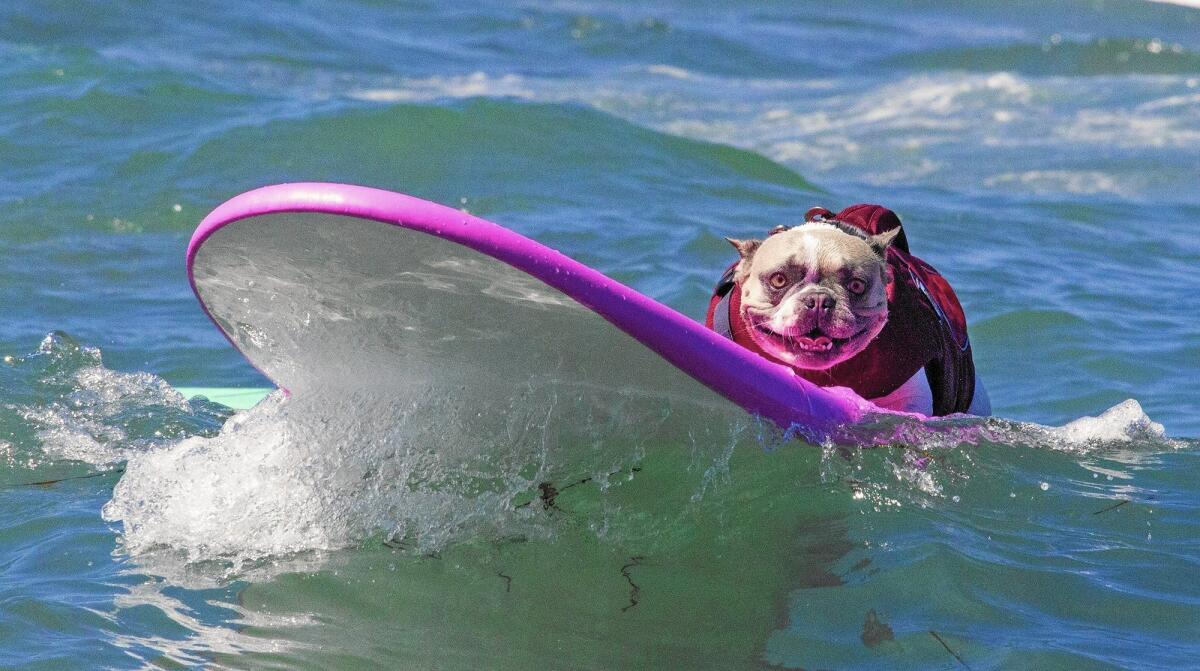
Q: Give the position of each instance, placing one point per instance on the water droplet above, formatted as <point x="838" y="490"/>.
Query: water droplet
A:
<point x="955" y="498"/>
<point x="1012" y="495"/>
<point x="177" y="207"/>
<point x="1045" y="486"/>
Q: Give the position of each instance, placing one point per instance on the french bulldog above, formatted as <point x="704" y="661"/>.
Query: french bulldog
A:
<point x="821" y="297"/>
<point x="814" y="295"/>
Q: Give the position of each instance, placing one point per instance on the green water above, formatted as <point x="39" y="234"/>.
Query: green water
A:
<point x="1043" y="157"/>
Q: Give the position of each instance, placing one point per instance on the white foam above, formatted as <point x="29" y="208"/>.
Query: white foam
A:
<point x="1085" y="182"/>
<point x="476" y="84"/>
<point x="1124" y="422"/>
<point x="291" y="476"/>
<point x="295" y="475"/>
<point x="1181" y="3"/>
<point x="672" y="72"/>
<point x="204" y="640"/>
<point x="1124" y="426"/>
<point x="1131" y="129"/>
<point x="85" y="423"/>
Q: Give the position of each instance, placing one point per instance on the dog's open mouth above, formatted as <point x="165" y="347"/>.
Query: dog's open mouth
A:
<point x="815" y="341"/>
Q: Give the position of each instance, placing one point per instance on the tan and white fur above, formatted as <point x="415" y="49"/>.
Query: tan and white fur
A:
<point x="815" y="295"/>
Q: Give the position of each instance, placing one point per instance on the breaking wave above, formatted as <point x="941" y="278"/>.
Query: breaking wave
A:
<point x="205" y="486"/>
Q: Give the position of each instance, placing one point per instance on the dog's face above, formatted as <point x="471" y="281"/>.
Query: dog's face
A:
<point x="814" y="295"/>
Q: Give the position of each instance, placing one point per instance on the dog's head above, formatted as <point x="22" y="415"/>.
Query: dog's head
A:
<point x="814" y="295"/>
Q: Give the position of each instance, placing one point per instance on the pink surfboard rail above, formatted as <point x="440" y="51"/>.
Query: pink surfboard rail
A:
<point x="760" y="387"/>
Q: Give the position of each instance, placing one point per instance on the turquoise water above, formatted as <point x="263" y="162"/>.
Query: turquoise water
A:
<point x="1044" y="157"/>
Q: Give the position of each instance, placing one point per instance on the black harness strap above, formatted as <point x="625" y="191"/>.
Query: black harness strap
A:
<point x="724" y="289"/>
<point x="721" y="318"/>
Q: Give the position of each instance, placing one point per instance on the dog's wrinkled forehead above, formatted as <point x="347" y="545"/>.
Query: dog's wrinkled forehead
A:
<point x="816" y="246"/>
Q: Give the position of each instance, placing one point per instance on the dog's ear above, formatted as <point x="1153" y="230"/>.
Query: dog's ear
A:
<point x="745" y="248"/>
<point x="882" y="241"/>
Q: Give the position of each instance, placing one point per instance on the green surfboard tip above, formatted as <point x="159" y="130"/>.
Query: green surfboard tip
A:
<point x="238" y="398"/>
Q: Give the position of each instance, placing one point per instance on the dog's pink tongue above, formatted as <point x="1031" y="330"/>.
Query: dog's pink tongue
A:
<point x="818" y="343"/>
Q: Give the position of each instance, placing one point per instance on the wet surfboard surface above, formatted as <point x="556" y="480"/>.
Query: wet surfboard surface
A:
<point x="331" y="286"/>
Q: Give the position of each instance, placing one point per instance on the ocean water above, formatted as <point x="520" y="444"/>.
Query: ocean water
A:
<point x="1044" y="156"/>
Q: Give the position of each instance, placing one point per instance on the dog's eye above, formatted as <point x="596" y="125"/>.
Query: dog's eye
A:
<point x="856" y="286"/>
<point x="777" y="280"/>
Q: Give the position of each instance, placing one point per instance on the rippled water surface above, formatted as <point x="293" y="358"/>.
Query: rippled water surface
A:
<point x="1045" y="157"/>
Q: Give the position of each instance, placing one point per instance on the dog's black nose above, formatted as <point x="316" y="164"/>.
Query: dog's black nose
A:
<point x="819" y="302"/>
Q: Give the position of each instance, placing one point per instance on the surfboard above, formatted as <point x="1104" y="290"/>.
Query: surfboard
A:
<point x="238" y="398"/>
<point x="333" y="286"/>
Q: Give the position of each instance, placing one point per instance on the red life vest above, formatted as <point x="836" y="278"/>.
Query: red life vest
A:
<point x="926" y="327"/>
